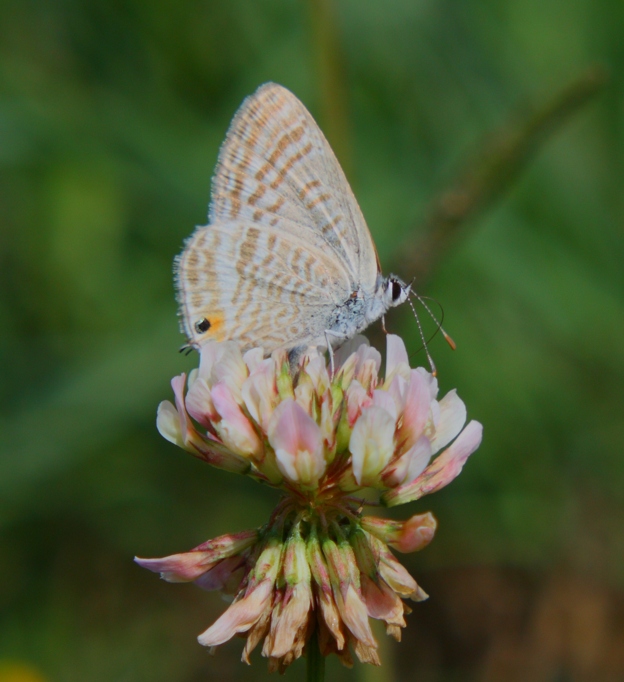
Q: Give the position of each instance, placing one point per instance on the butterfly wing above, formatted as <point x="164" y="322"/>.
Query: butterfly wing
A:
<point x="277" y="169"/>
<point x="258" y="285"/>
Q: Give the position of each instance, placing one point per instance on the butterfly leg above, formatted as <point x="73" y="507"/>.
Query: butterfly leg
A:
<point x="330" y="350"/>
<point x="383" y="324"/>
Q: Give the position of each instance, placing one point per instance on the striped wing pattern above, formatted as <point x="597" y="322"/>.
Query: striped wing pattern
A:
<point x="258" y="285"/>
<point x="286" y="242"/>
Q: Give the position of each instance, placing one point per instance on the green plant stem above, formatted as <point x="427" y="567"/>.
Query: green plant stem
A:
<point x="316" y="660"/>
<point x="491" y="171"/>
<point x="329" y="67"/>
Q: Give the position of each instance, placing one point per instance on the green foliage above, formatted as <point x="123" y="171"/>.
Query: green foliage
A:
<point x="111" y="116"/>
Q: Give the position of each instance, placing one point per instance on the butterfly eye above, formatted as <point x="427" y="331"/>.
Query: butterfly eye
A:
<point x="397" y="290"/>
<point x="202" y="325"/>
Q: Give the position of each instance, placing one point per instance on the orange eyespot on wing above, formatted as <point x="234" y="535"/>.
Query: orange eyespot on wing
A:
<point x="211" y="327"/>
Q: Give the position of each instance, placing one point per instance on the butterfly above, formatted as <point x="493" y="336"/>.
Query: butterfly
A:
<point x="287" y="260"/>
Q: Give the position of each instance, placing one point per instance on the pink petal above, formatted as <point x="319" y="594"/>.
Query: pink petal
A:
<point x="397" y="577"/>
<point x="417" y="533"/>
<point x="234" y="429"/>
<point x="293" y="616"/>
<point x="367" y="374"/>
<point x="240" y="616"/>
<point x="316" y="369"/>
<point x="409" y="465"/>
<point x="199" y="403"/>
<point x="416" y="412"/>
<point x="175" y="425"/>
<point x="355" y="615"/>
<point x="260" y="394"/>
<point x="398" y="390"/>
<point x="382" y="602"/>
<point x="298" y="444"/>
<point x="189" y="565"/>
<point x="320" y="573"/>
<point x="228" y="544"/>
<point x="341" y="565"/>
<point x="305" y="394"/>
<point x="343" y="376"/>
<point x="179" y="568"/>
<point x="420" y="454"/>
<point x="430" y="380"/>
<point x="357" y="399"/>
<point x="367" y="355"/>
<point x="219" y="575"/>
<point x="444" y="468"/>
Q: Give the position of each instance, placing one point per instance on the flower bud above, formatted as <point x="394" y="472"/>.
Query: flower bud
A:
<point x="405" y="536"/>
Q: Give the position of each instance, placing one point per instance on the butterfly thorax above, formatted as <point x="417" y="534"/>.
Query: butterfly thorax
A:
<point x="361" y="309"/>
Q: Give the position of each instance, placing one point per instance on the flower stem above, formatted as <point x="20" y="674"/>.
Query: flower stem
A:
<point x="316" y="660"/>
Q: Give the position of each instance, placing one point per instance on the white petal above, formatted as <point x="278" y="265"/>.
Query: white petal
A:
<point x="367" y="353"/>
<point x="168" y="423"/>
<point x="259" y="392"/>
<point x="252" y="358"/>
<point x="349" y="348"/>
<point x="371" y="444"/>
<point x="432" y="382"/>
<point x="396" y="354"/>
<point x="420" y="454"/>
<point x="208" y="355"/>
<point x="229" y="368"/>
<point x="385" y="400"/>
<point x="398" y="390"/>
<point x="451" y="420"/>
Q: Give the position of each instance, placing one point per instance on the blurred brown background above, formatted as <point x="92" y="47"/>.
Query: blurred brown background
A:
<point x="111" y="116"/>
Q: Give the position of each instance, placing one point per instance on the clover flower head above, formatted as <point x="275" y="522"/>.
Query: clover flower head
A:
<point x="318" y="564"/>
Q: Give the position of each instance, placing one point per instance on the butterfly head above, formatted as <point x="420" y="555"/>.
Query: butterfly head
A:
<point x="395" y="292"/>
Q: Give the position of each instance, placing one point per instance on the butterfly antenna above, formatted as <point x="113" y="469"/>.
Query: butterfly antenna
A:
<point x="447" y="337"/>
<point x="434" y="371"/>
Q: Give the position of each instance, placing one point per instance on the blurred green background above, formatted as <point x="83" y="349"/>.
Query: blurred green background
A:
<point x="111" y="116"/>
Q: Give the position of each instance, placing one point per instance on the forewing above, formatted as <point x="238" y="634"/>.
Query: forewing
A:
<point x="277" y="169"/>
<point x="258" y="285"/>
